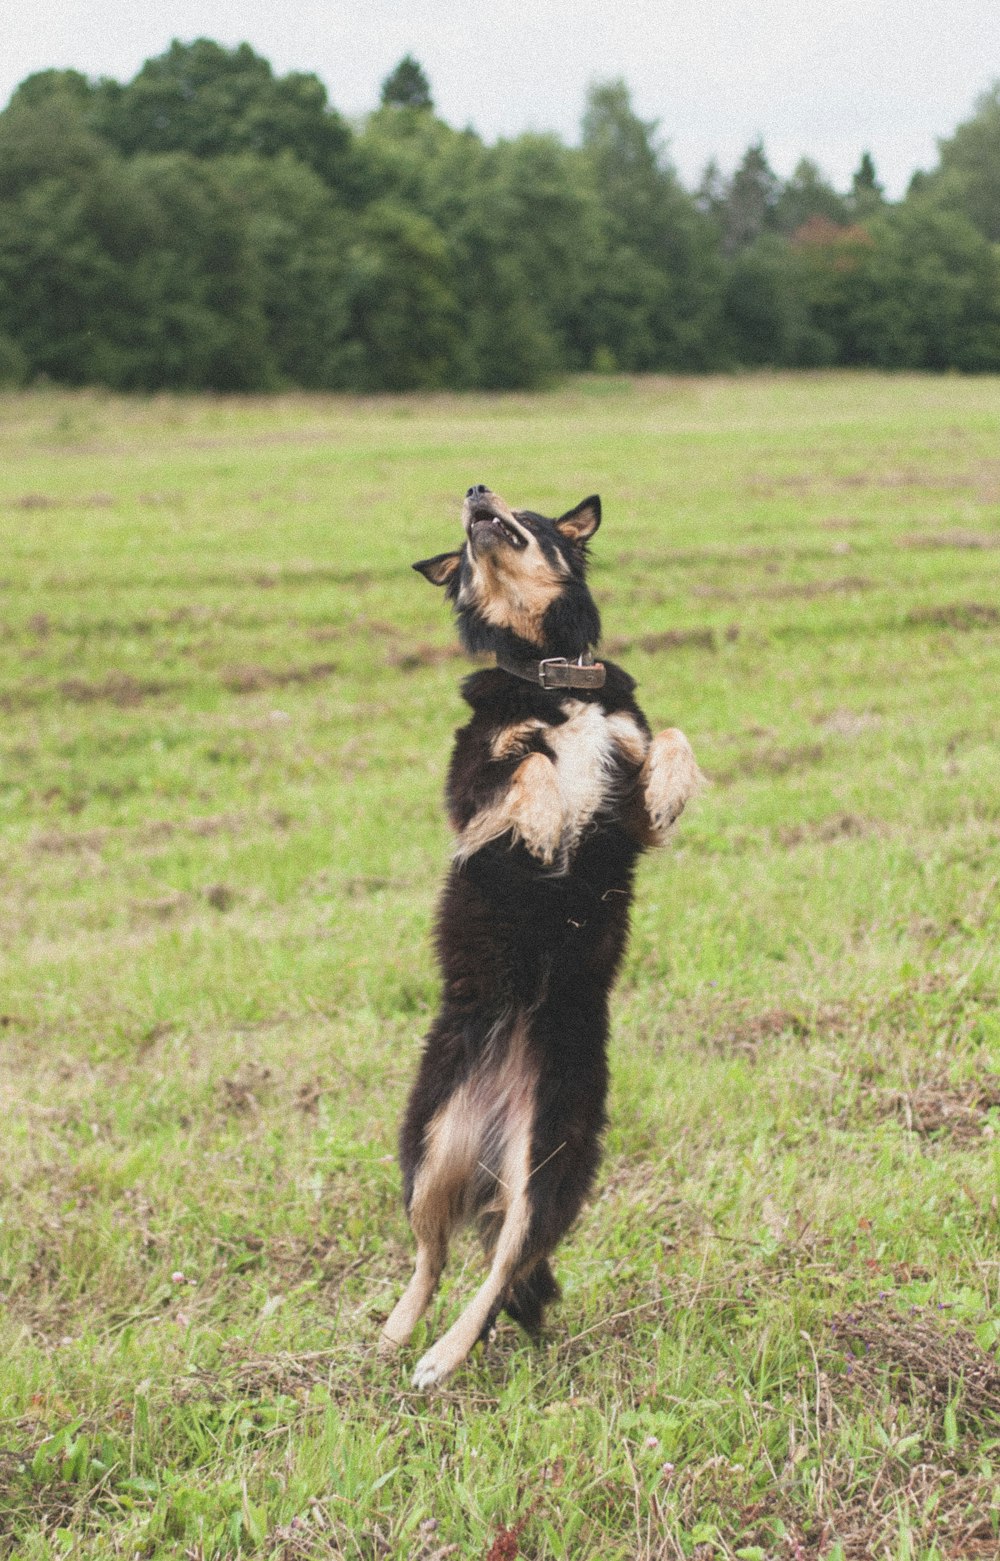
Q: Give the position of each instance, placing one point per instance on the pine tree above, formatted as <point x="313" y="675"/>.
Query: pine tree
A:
<point x="407" y="86"/>
<point x="867" y="195"/>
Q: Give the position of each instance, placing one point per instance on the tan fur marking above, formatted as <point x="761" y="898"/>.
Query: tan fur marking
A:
<point x="629" y="737"/>
<point x="514" y="738"/>
<point x="509" y="1255"/>
<point x="440" y="1193"/>
<point x="531" y="807"/>
<point x="415" y="1299"/>
<point x="669" y="778"/>
<point x="550" y="803"/>
<point x="515" y="589"/>
<point x="579" y="525"/>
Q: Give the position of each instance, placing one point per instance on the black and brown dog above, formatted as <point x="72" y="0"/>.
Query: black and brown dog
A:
<point x="555" y="787"/>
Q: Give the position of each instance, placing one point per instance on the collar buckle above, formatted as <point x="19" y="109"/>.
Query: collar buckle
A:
<point x="557" y="672"/>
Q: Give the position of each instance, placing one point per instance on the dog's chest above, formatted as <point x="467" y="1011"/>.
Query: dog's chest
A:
<point x="583" y="751"/>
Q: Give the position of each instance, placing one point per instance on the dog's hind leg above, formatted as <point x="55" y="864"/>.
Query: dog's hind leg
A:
<point x="528" y="1296"/>
<point x="440" y="1190"/>
<point x="415" y="1299"/>
<point x="510" y="1260"/>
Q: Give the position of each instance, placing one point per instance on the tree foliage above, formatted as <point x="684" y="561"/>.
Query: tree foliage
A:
<point x="407" y="86"/>
<point x="970" y="165"/>
<point x="211" y="224"/>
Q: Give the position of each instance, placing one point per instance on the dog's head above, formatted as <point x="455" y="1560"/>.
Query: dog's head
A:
<point x="518" y="582"/>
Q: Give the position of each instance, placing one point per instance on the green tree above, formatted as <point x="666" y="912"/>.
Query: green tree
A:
<point x="970" y="164"/>
<point x="830" y="261"/>
<point x="510" y="219"/>
<point x="751" y="200"/>
<point x="937" y="281"/>
<point x="768" y="309"/>
<point x="210" y="101"/>
<point x="135" y="274"/>
<point x="44" y="85"/>
<point x="403" y="315"/>
<point x="807" y="194"/>
<point x="45" y="137"/>
<point x="299" y="239"/>
<point x="867" y="194"/>
<point x="660" y="274"/>
<point x="407" y="86"/>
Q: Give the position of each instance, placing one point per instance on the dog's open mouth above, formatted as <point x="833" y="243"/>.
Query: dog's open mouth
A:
<point x="483" y="518"/>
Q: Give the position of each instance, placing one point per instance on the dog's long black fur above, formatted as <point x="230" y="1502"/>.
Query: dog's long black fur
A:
<point x="552" y="794"/>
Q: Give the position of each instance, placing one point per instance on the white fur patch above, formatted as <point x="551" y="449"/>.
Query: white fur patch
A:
<point x="584" y="749"/>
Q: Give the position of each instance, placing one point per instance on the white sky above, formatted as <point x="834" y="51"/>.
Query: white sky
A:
<point x="822" y="79"/>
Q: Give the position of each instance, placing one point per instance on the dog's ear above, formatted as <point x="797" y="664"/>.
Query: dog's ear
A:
<point x="440" y="569"/>
<point x="579" y="525"/>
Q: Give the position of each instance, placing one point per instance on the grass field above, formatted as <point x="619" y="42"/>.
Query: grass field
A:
<point x="225" y="712"/>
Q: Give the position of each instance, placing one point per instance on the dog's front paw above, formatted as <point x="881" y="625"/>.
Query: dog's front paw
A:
<point x="536" y="807"/>
<point x="671" y="778"/>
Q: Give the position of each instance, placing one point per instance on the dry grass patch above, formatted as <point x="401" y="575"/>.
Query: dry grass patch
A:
<point x="939" y="1108"/>
<point x="920" y="1356"/>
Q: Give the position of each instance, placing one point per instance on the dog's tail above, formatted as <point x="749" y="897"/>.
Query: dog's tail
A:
<point x="530" y="1296"/>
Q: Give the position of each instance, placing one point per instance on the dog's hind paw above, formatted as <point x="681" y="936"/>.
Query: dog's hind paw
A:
<point x="431" y="1371"/>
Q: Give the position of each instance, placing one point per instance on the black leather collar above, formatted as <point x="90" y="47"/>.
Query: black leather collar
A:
<point x="556" y="671"/>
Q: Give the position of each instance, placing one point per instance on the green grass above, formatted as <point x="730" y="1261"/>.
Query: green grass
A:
<point x="225" y="712"/>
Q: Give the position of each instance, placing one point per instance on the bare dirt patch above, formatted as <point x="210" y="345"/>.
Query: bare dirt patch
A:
<point x="843" y="826"/>
<point x="254" y="679"/>
<point x="243" y="1094"/>
<point x="956" y="615"/>
<point x="667" y="639"/>
<point x="423" y="655"/>
<point x="118" y="688"/>
<point x="972" y="541"/>
<point x="42" y="501"/>
<point x="849" y="723"/>
<point x="808" y="590"/>
<point x="772" y="760"/>
<point x="60" y="841"/>
<point x="744" y="1034"/>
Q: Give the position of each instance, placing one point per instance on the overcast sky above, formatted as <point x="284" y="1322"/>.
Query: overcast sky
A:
<point x="823" y="79"/>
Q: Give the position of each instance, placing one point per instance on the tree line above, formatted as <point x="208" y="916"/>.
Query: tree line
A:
<point x="210" y="225"/>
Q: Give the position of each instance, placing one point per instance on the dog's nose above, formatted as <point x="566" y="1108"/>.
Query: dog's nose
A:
<point x="477" y="491"/>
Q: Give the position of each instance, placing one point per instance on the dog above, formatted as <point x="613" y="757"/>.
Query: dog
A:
<point x="555" y="787"/>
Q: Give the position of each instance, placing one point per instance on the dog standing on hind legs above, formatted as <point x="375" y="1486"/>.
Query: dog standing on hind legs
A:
<point x="555" y="787"/>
